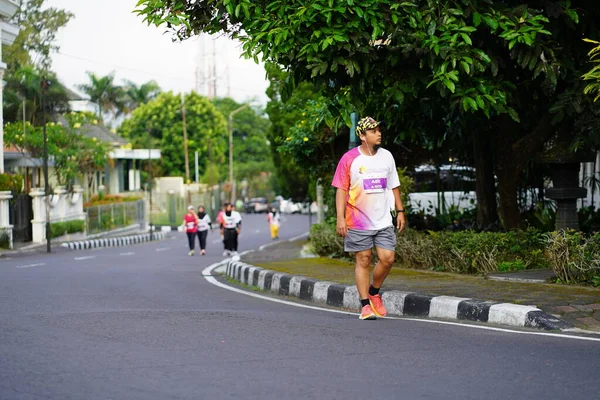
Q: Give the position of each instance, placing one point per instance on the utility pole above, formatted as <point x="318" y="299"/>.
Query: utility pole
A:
<point x="185" y="142"/>
<point x="196" y="166"/>
<point x="231" y="181"/>
<point x="214" y="66"/>
<point x="45" y="84"/>
<point x="150" y="181"/>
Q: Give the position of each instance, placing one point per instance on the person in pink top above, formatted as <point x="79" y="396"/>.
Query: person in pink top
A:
<point x="368" y="194"/>
<point x="190" y="223"/>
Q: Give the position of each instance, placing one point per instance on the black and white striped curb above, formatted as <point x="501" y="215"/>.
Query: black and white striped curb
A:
<point x="114" y="242"/>
<point x="396" y="302"/>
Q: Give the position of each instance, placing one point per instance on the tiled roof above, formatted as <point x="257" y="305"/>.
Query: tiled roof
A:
<point x="99" y="132"/>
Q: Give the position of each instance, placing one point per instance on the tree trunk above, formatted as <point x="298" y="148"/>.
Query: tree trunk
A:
<point x="509" y="206"/>
<point x="485" y="186"/>
<point x="513" y="151"/>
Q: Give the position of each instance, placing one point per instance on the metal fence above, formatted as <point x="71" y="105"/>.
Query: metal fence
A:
<point x="114" y="216"/>
<point x="169" y="208"/>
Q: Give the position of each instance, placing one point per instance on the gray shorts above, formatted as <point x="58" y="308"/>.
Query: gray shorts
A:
<point x="358" y="240"/>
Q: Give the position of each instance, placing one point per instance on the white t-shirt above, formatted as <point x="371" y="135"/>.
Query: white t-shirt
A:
<point x="232" y="221"/>
<point x="369" y="181"/>
<point x="204" y="223"/>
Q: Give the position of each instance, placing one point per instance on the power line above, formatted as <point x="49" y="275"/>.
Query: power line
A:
<point x="122" y="67"/>
<point x="154" y="74"/>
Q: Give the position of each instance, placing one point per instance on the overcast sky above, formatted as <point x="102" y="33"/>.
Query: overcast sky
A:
<point x="105" y="36"/>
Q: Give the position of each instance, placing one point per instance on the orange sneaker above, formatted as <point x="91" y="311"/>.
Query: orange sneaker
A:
<point x="377" y="305"/>
<point x="367" y="313"/>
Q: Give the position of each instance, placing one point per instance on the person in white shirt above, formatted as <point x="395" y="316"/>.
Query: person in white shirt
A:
<point x="232" y="226"/>
<point x="204" y="224"/>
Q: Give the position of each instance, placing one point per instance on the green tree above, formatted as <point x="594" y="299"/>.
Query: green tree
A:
<point x="72" y="153"/>
<point x="136" y="95"/>
<point x="105" y="94"/>
<point x="37" y="36"/>
<point x="593" y="75"/>
<point x="23" y="88"/>
<point x="159" y="124"/>
<point x="251" y="151"/>
<point x="518" y="65"/>
<point x="292" y="180"/>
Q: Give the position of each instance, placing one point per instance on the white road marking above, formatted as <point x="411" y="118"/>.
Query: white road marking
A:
<point x="31" y="265"/>
<point x="298" y="237"/>
<point x="217" y="241"/>
<point x="257" y="231"/>
<point x="84" y="258"/>
<point x="131" y="253"/>
<point x="163" y="249"/>
<point x="206" y="273"/>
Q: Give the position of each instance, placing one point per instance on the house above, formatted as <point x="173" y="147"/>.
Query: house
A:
<point x="8" y="34"/>
<point x="121" y="174"/>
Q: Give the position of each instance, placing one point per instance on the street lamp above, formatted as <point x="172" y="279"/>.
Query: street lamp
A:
<point x="231" y="181"/>
<point x="45" y="83"/>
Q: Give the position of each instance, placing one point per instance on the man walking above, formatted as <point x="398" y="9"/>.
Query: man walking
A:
<point x="368" y="193"/>
<point x="232" y="226"/>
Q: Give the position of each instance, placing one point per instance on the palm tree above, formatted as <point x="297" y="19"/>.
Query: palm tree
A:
<point x="23" y="89"/>
<point x="107" y="96"/>
<point x="138" y="95"/>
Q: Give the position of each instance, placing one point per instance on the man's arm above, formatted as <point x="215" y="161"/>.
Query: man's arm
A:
<point x="340" y="207"/>
<point x="401" y="223"/>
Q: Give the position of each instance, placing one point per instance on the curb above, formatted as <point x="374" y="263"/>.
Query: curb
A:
<point x="114" y="242"/>
<point x="397" y="303"/>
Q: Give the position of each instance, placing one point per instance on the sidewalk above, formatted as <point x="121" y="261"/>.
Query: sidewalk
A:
<point x="577" y="305"/>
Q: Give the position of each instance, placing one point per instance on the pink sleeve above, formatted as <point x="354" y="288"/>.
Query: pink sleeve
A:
<point x="341" y="179"/>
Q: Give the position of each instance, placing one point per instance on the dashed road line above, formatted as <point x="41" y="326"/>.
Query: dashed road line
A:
<point x="163" y="249"/>
<point x="129" y="253"/>
<point x="84" y="258"/>
<point x="31" y="265"/>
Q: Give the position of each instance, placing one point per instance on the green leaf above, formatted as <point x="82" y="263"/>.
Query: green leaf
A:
<point x="480" y="102"/>
<point x="483" y="56"/>
<point x="449" y="84"/>
<point x="431" y="28"/>
<point x="466" y="67"/>
<point x="513" y="114"/>
<point x="467" y="39"/>
<point x="465" y="103"/>
<point x="476" y="18"/>
<point x="492" y="23"/>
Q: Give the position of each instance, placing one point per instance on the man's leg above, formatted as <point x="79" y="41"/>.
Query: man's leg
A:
<point x="385" y="243"/>
<point x="362" y="273"/>
<point x="383" y="267"/>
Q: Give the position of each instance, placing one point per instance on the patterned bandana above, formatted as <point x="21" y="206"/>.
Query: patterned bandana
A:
<point x="365" y="124"/>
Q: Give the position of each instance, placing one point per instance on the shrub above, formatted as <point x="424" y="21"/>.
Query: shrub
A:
<point x="574" y="257"/>
<point x="4" y="240"/>
<point x="463" y="252"/>
<point x="103" y="199"/>
<point x="62" y="228"/>
<point x="325" y="240"/>
<point x="11" y="182"/>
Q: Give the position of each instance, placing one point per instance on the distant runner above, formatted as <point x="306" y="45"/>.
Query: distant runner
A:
<point x="232" y="226"/>
<point x="204" y="224"/>
<point x="190" y="223"/>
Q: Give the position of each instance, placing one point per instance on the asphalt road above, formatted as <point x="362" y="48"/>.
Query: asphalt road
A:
<point x="142" y="323"/>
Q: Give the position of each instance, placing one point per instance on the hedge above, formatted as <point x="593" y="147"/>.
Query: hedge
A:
<point x="574" y="257"/>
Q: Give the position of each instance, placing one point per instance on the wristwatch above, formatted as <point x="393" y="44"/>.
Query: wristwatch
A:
<point x="400" y="211"/>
